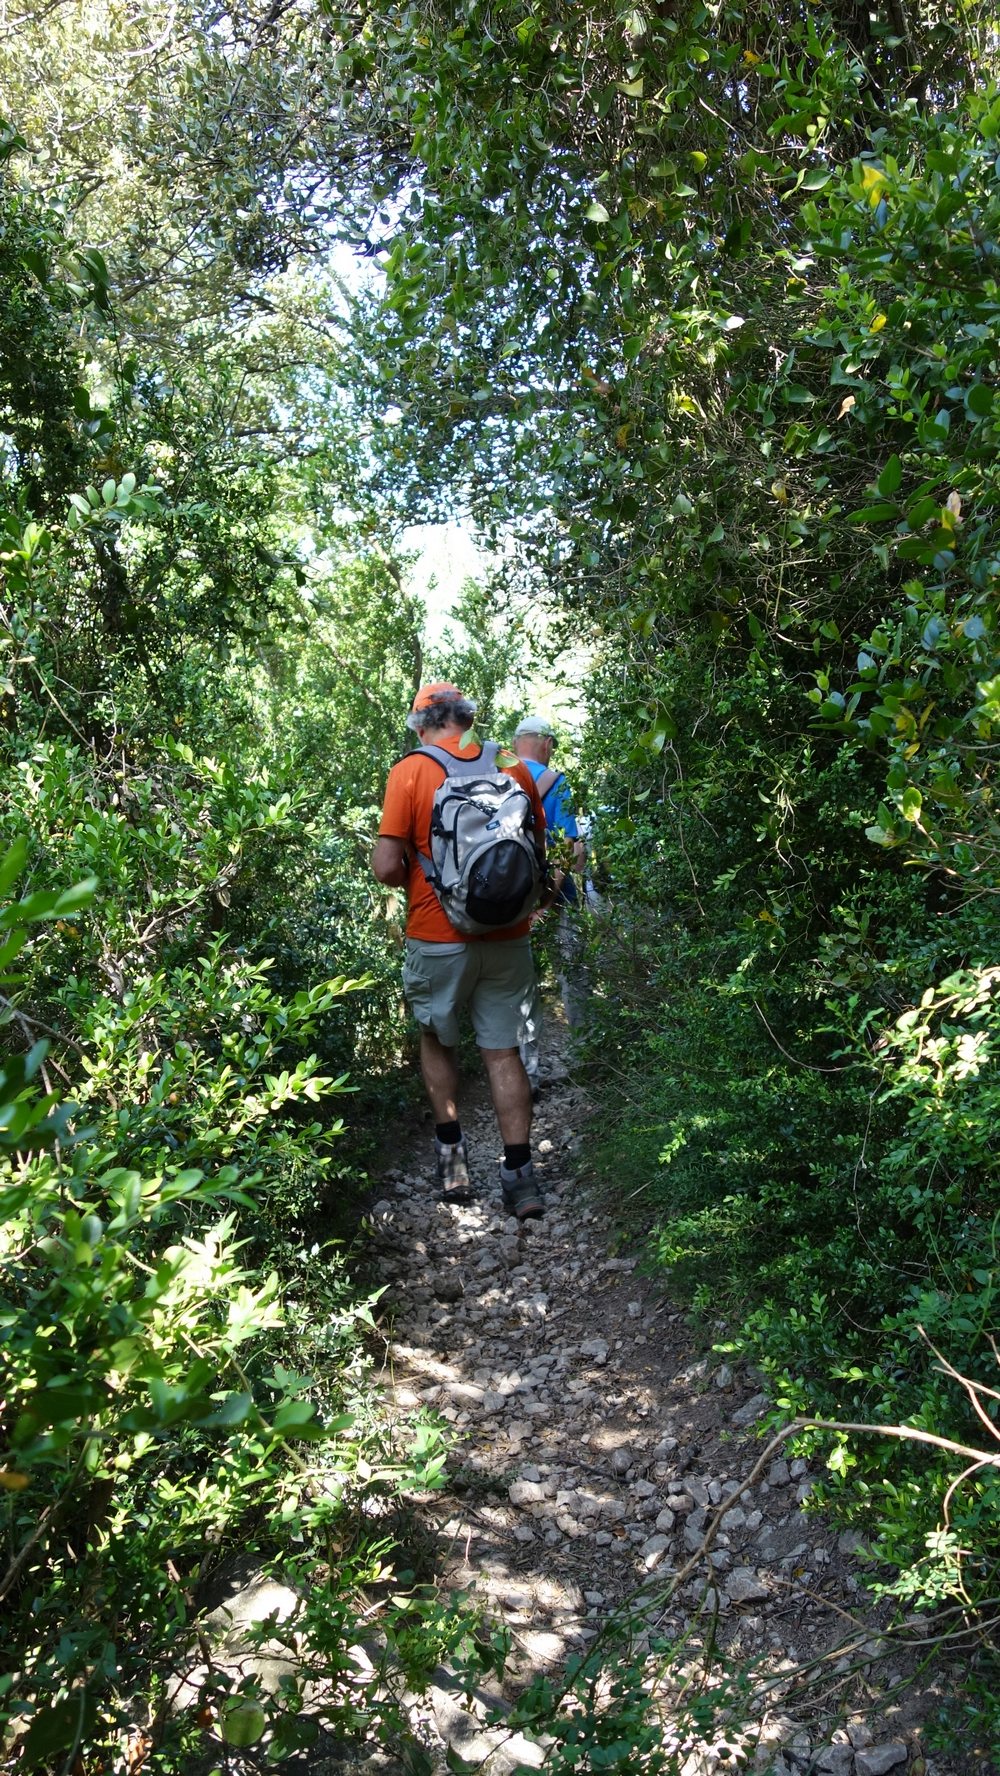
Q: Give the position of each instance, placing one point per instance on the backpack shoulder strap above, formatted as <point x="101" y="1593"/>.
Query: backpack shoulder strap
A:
<point x="454" y="765"/>
<point x="547" y="781"/>
<point x="440" y="757"/>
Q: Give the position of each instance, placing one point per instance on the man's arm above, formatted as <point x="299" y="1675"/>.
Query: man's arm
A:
<point x="390" y="864"/>
<point x="527" y="781"/>
<point x="566" y="823"/>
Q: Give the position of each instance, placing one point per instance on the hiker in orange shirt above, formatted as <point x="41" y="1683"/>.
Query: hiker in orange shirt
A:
<point x="484" y="964"/>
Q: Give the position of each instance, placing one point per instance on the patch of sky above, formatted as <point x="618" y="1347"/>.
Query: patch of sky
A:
<point x="443" y="557"/>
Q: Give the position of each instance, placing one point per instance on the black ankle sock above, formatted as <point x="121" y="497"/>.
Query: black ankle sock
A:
<point x="517" y="1156"/>
<point x="450" y="1132"/>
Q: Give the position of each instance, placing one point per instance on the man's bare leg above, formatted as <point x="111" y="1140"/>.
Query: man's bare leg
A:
<point x="439" y="1067"/>
<point x="511" y="1094"/>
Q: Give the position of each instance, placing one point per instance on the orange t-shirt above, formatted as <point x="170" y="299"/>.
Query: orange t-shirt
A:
<point x="406" y="815"/>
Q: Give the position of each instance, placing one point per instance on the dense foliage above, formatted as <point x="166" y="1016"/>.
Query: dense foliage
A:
<point x="194" y="973"/>
<point x="694" y="310"/>
<point x="709" y="298"/>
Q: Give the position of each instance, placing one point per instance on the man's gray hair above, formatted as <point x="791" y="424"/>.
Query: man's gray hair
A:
<point x="444" y="712"/>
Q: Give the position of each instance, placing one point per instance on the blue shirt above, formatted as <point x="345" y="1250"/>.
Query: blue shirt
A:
<point x="557" y="806"/>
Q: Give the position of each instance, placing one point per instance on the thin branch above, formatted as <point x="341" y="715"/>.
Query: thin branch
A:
<point x="158" y="43"/>
<point x="810" y="1065"/>
<point x="903" y="1433"/>
<point x="30" y="1024"/>
<point x="45" y="1522"/>
<point x="973" y="1387"/>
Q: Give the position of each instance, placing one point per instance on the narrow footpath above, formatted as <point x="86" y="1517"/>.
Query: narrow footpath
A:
<point x="594" y="1443"/>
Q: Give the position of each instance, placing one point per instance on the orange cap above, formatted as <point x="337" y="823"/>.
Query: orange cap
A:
<point x="429" y="694"/>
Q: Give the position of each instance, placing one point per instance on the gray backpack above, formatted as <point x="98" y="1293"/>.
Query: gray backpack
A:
<point x="485" y="866"/>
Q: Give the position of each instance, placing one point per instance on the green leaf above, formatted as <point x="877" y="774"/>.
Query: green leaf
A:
<point x="72" y="899"/>
<point x="13" y="863"/>
<point x="873" y="514"/>
<point x="921" y="511"/>
<point x="460" y="1765"/>
<point x="891" y="478"/>
<point x="56" y="1729"/>
<point x="418" y="1761"/>
<point x="979" y="400"/>
<point x="293" y="1732"/>
<point x="49" y="903"/>
<point x="96" y="264"/>
<point x="243" y="1722"/>
<point x="234" y="1410"/>
<point x="596" y="212"/>
<point x="293" y="1414"/>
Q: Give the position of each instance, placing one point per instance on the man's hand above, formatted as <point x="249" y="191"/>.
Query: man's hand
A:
<point x="552" y="887"/>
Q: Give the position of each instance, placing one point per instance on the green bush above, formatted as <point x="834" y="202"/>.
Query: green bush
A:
<point x="794" y="1045"/>
<point x="166" y="1401"/>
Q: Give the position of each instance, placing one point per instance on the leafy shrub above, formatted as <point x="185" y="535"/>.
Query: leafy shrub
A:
<point x="800" y="1040"/>
<point x="160" y="1394"/>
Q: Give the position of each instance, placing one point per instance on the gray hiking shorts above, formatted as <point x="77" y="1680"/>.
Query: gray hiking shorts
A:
<point x="494" y="981"/>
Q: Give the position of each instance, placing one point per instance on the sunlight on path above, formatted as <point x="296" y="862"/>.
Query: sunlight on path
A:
<point x="592" y="1447"/>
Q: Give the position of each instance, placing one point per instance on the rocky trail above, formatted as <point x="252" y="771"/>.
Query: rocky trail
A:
<point x="594" y="1444"/>
<point x="606" y="1494"/>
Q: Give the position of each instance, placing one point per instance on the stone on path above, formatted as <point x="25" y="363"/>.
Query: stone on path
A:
<point x="876" y="1760"/>
<point x="745" y="1586"/>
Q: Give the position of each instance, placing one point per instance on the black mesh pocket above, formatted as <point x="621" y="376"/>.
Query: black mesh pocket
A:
<point x="501" y="885"/>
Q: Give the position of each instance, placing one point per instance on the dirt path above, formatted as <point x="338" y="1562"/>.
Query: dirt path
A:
<point x="593" y="1445"/>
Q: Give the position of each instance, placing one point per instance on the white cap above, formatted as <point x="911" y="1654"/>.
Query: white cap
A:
<point x="535" y="724"/>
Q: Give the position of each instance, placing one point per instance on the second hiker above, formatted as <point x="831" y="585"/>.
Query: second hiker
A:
<point x="534" y="743"/>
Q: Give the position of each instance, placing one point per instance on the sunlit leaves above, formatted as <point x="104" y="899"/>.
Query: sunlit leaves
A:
<point x="875" y="184"/>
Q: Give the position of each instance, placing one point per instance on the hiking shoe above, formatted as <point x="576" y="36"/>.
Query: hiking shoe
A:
<point x="521" y="1195"/>
<point x="454" y="1184"/>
